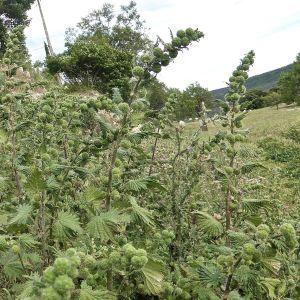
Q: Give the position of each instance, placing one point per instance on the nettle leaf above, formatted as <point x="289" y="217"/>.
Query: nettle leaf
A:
<point x="11" y="265"/>
<point x="36" y="182"/>
<point x="270" y="285"/>
<point x="105" y="126"/>
<point x="271" y="264"/>
<point x="87" y="293"/>
<point x="254" y="205"/>
<point x="208" y="224"/>
<point x="211" y="275"/>
<point x="136" y="185"/>
<point x="105" y="225"/>
<point x="27" y="240"/>
<point x="143" y="184"/>
<point x="22" y="215"/>
<point x="140" y="214"/>
<point x="66" y="225"/>
<point x="27" y="288"/>
<point x="153" y="277"/>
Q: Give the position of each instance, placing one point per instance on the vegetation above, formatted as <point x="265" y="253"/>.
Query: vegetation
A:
<point x="12" y="14"/>
<point x="262" y="82"/>
<point x="289" y="84"/>
<point x="108" y="196"/>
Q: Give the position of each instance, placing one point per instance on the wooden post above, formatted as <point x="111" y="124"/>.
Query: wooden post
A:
<point x="45" y="29"/>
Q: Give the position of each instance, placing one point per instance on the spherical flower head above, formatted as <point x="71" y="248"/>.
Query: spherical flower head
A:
<point x="173" y="53"/>
<point x="158" y="52"/>
<point x="49" y="275"/>
<point x="185" y="41"/>
<point x="156" y="68"/>
<point x="50" y="293"/>
<point x="62" y="266"/>
<point x="181" y="124"/>
<point x="146" y="58"/>
<point x="181" y="33"/>
<point x="176" y="42"/>
<point x="138" y="72"/>
<point x="63" y="284"/>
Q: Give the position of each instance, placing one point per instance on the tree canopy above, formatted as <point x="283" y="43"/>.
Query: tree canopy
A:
<point x="12" y="14"/>
<point x="289" y="84"/>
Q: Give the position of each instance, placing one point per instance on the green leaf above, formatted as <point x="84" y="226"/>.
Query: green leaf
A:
<point x="11" y="265"/>
<point x="140" y="214"/>
<point x="153" y="277"/>
<point x="66" y="225"/>
<point x="27" y="240"/>
<point x="270" y="285"/>
<point x="105" y="225"/>
<point x="35" y="182"/>
<point x="211" y="275"/>
<point x="254" y="205"/>
<point x="208" y="224"/>
<point x="87" y="293"/>
<point x="22" y="215"/>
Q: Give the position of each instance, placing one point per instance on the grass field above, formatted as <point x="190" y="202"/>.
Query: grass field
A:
<point x="261" y="122"/>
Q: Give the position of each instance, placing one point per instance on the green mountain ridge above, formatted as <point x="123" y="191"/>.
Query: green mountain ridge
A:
<point x="264" y="81"/>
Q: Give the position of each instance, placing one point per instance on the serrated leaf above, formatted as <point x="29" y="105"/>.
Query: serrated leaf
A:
<point x="208" y="224"/>
<point x="153" y="277"/>
<point x="87" y="293"/>
<point x="66" y="225"/>
<point x="22" y="215"/>
<point x="27" y="240"/>
<point x="254" y="205"/>
<point x="105" y="225"/>
<point x="211" y="275"/>
<point x="11" y="265"/>
<point x="140" y="214"/>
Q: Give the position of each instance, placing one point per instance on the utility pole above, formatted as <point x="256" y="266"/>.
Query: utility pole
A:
<point x="46" y="29"/>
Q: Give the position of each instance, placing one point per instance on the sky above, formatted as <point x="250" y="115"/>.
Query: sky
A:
<point x="231" y="27"/>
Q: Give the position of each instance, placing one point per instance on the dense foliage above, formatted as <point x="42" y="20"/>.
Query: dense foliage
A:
<point x="253" y="99"/>
<point x="12" y="14"/>
<point x="94" y="205"/>
<point x="289" y="84"/>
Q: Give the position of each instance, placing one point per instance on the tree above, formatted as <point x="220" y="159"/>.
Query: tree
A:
<point x="124" y="31"/>
<point x="94" y="63"/>
<point x="289" y="84"/>
<point x="12" y="14"/>
<point x="190" y="101"/>
<point x="273" y="98"/>
<point x="157" y="94"/>
<point x="253" y="99"/>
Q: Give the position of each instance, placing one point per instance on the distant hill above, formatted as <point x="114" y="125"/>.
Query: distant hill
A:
<point x="264" y="81"/>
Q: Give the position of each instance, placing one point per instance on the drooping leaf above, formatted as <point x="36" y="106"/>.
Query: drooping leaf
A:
<point x="140" y="214"/>
<point x="105" y="225"/>
<point x="208" y="224"/>
<point x="153" y="277"/>
<point x="254" y="205"/>
<point x="87" y="293"/>
<point x="270" y="285"/>
<point x="66" y="225"/>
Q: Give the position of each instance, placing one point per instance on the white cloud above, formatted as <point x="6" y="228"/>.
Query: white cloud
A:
<point x="231" y="27"/>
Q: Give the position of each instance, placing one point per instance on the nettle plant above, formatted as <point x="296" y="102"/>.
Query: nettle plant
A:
<point x="101" y="201"/>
